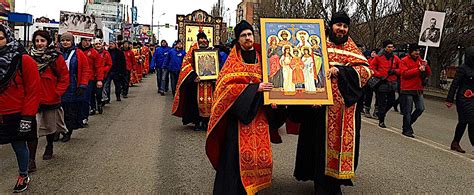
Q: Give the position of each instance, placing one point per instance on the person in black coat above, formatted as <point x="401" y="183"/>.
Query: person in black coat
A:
<point x="462" y="87"/>
<point x="118" y="70"/>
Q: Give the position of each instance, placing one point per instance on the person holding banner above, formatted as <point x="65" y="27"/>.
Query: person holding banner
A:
<point x="238" y="137"/>
<point x="329" y="139"/>
<point x="414" y="76"/>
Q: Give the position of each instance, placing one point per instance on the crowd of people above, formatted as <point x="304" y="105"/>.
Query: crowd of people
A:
<point x="240" y="128"/>
<point x="51" y="89"/>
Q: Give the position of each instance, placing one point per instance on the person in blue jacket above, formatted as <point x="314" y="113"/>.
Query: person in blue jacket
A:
<point x="173" y="64"/>
<point x="223" y="54"/>
<point x="159" y="57"/>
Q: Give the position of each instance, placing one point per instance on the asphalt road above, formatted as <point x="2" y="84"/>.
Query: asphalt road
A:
<point x="137" y="146"/>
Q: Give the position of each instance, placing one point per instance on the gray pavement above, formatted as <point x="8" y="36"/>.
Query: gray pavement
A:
<point x="138" y="147"/>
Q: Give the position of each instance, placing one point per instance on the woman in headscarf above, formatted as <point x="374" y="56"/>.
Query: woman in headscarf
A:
<point x="79" y="74"/>
<point x="54" y="82"/>
<point x="20" y="91"/>
<point x="462" y="87"/>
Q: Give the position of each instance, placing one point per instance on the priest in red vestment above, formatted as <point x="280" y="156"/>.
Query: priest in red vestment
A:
<point x="328" y="144"/>
<point x="193" y="98"/>
<point x="238" y="140"/>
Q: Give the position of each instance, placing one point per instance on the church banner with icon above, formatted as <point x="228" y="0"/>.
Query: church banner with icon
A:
<point x="295" y="61"/>
<point x="189" y="26"/>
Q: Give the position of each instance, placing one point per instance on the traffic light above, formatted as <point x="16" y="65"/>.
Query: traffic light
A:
<point x="167" y="25"/>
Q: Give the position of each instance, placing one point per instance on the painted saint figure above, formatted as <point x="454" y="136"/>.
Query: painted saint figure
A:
<point x="310" y="78"/>
<point x="297" y="65"/>
<point x="285" y="61"/>
<point x="274" y="52"/>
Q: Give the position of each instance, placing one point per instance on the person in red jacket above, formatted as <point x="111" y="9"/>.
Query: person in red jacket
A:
<point x="369" y="92"/>
<point x="74" y="99"/>
<point x="414" y="75"/>
<point x="131" y="62"/>
<point x="20" y="91"/>
<point x="97" y="103"/>
<point x="95" y="82"/>
<point x="386" y="68"/>
<point x="54" y="82"/>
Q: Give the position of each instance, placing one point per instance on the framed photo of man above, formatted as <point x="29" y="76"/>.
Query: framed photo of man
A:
<point x="206" y="64"/>
<point x="294" y="60"/>
<point x="432" y="29"/>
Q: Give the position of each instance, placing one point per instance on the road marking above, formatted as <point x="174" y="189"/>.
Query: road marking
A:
<point x="423" y="140"/>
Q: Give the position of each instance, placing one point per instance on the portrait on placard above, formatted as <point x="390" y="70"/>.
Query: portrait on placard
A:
<point x="295" y="61"/>
<point x="432" y="29"/>
<point x="207" y="64"/>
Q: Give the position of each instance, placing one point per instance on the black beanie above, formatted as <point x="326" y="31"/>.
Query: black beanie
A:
<point x="340" y="16"/>
<point x="386" y="43"/>
<point x="42" y="33"/>
<point x="412" y="48"/>
<point x="243" y="25"/>
<point x="201" y="35"/>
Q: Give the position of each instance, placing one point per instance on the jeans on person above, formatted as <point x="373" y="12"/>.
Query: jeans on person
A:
<point x="165" y="80"/>
<point x="22" y="156"/>
<point x="126" y="81"/>
<point x="106" y="89"/>
<point x="87" y="97"/>
<point x="385" y="102"/>
<point x="96" y="97"/>
<point x="368" y="95"/>
<point x="174" y="75"/>
<point x="118" y="83"/>
<point x="159" y="73"/>
<point x="410" y="116"/>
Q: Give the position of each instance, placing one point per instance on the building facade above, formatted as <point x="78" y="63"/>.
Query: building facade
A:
<point x="248" y="10"/>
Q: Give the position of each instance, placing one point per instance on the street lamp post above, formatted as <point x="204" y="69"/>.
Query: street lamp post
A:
<point x="158" y="32"/>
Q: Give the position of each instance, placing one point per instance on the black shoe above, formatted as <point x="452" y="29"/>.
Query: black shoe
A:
<point x="119" y="99"/>
<point x="22" y="184"/>
<point x="162" y="93"/>
<point x="92" y="112"/>
<point x="395" y="108"/>
<point x="374" y="116"/>
<point x="66" y="138"/>
<point x="48" y="153"/>
<point x="408" y="134"/>
<point x="106" y="102"/>
<point x="382" y="125"/>
<point x="125" y="96"/>
<point x="197" y="127"/>
<point x="56" y="137"/>
<point x="100" y="109"/>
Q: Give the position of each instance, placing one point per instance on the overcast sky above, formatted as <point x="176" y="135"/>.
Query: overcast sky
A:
<point x="51" y="8"/>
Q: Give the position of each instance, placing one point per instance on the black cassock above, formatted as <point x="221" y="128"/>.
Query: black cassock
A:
<point x="311" y="148"/>
<point x="191" y="112"/>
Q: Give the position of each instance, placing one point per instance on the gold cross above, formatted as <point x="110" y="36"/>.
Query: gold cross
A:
<point x="293" y="29"/>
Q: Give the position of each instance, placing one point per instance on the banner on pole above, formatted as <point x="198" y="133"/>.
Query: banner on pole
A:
<point x="79" y="24"/>
<point x="432" y="29"/>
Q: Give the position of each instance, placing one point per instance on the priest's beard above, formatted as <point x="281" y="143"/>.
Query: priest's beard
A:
<point x="336" y="40"/>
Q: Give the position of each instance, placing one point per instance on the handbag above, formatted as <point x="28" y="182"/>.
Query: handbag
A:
<point x="374" y="82"/>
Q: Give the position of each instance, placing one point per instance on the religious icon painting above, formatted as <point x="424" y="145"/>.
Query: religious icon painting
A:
<point x="207" y="64"/>
<point x="295" y="61"/>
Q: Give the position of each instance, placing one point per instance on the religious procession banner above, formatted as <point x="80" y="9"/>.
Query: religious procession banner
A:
<point x="191" y="35"/>
<point x="295" y="61"/>
<point x="80" y="24"/>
